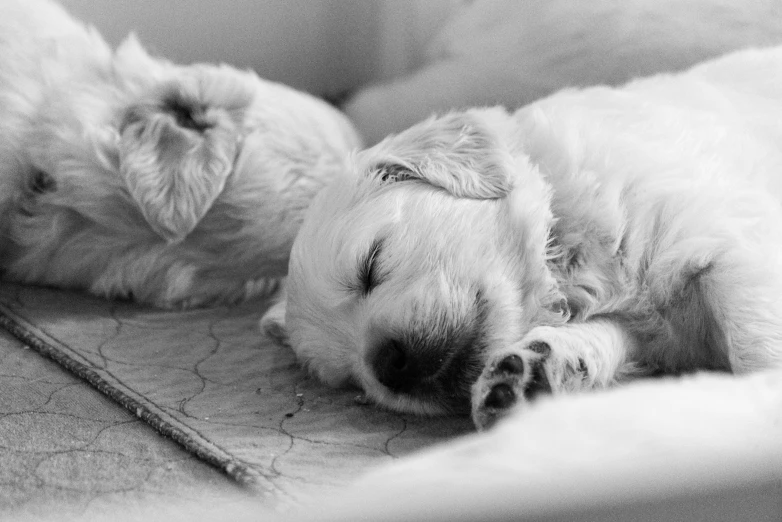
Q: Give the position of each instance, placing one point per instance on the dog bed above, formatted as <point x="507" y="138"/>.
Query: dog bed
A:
<point x="209" y="380"/>
<point x="704" y="447"/>
<point x="694" y="448"/>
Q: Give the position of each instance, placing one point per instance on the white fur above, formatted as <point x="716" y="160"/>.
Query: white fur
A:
<point x="640" y="231"/>
<point x="512" y="52"/>
<point x="127" y="175"/>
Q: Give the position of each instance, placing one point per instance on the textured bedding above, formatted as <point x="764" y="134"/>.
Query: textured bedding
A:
<point x="691" y="449"/>
<point x="207" y="379"/>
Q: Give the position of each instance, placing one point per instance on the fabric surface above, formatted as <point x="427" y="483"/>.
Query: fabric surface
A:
<point x="67" y="449"/>
<point x="209" y="380"/>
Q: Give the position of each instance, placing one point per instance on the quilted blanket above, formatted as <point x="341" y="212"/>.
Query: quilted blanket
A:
<point x="209" y="380"/>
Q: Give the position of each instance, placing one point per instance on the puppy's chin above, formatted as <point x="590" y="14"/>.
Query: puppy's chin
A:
<point x="429" y="404"/>
<point x="431" y="407"/>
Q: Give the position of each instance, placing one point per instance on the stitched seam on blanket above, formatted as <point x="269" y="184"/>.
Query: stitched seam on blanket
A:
<point x="33" y="336"/>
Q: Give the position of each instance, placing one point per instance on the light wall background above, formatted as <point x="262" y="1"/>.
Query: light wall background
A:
<point x="322" y="46"/>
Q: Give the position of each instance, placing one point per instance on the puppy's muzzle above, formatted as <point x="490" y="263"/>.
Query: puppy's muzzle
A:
<point x="440" y="370"/>
<point x="399" y="368"/>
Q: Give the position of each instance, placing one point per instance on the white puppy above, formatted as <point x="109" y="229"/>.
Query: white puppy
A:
<point x="128" y="175"/>
<point x="480" y="258"/>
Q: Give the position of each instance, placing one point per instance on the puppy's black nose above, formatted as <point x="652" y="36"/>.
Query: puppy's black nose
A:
<point x="433" y="368"/>
<point x="393" y="365"/>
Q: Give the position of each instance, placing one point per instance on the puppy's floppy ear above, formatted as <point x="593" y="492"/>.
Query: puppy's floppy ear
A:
<point x="176" y="153"/>
<point x="463" y="153"/>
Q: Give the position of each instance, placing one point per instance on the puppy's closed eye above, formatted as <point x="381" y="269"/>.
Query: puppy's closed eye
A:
<point x="368" y="276"/>
<point x="188" y="115"/>
<point x="41" y="182"/>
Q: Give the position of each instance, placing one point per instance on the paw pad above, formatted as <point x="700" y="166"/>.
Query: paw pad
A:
<point x="511" y="378"/>
<point x="512" y="364"/>
<point x="541" y="348"/>
<point x="501" y="396"/>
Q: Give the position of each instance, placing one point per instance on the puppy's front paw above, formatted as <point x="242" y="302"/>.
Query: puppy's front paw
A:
<point x="273" y="323"/>
<point x="510" y="377"/>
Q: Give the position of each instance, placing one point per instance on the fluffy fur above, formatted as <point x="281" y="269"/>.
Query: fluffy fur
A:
<point x="511" y="53"/>
<point x="130" y="176"/>
<point x="481" y="258"/>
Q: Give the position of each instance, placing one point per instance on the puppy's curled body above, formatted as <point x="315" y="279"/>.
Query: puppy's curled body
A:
<point x="664" y="196"/>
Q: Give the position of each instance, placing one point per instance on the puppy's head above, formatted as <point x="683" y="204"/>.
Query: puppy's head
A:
<point x="173" y="185"/>
<point x="428" y="255"/>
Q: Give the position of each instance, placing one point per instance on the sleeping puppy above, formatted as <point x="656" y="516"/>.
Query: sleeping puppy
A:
<point x="482" y="258"/>
<point x="130" y="176"/>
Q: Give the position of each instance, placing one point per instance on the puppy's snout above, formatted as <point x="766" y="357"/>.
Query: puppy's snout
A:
<point x="425" y="364"/>
<point x="392" y="365"/>
<point x="401" y="367"/>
